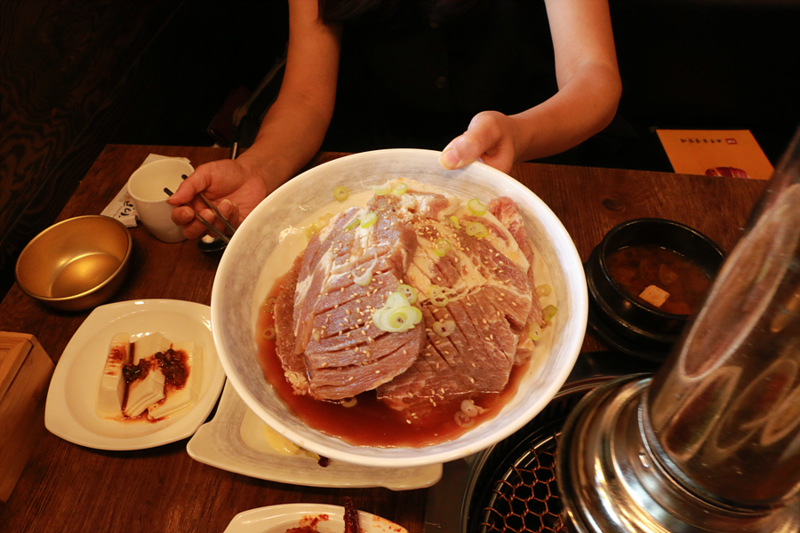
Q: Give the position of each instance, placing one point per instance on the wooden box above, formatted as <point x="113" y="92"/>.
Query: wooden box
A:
<point x="25" y="371"/>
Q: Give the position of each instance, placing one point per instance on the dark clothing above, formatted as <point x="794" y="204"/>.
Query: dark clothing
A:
<point x="414" y="78"/>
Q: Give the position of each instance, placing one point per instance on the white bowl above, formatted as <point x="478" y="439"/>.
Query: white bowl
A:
<point x="266" y="243"/>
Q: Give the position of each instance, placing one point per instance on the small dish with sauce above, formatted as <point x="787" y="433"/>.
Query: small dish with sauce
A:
<point x="646" y="278"/>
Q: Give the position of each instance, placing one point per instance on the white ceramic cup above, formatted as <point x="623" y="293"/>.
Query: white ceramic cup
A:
<point x="146" y="188"/>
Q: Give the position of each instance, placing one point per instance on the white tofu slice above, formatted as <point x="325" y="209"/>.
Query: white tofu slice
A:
<point x="655" y="296"/>
<point x="148" y="346"/>
<point x="145" y="392"/>
<point x="186" y="397"/>
<point x="112" y="382"/>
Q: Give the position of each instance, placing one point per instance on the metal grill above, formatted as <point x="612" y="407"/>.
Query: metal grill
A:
<point x="526" y="499"/>
<point x="512" y="486"/>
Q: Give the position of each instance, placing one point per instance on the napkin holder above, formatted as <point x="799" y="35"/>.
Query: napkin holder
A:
<point x="25" y="370"/>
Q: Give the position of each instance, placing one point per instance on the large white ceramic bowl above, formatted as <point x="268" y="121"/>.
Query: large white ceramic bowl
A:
<point x="266" y="243"/>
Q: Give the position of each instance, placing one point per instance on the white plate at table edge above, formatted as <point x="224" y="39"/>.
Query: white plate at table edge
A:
<point x="279" y="518"/>
<point x="72" y="395"/>
<point x="223" y="443"/>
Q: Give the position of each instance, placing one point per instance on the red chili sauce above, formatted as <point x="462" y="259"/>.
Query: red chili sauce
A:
<point x="173" y="364"/>
<point x="371" y="422"/>
<point x="634" y="268"/>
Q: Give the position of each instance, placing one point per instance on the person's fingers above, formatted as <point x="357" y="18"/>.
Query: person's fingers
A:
<point x="482" y="137"/>
<point x="194" y="229"/>
<point x="460" y="152"/>
<point x="198" y="181"/>
<point x="182" y="215"/>
<point x="230" y="211"/>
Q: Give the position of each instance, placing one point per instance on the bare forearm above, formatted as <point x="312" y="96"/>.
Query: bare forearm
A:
<point x="571" y="116"/>
<point x="289" y="136"/>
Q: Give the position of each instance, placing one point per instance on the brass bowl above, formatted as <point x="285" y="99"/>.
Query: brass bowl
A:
<point x="77" y="263"/>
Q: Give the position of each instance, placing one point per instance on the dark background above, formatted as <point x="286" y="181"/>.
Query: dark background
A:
<point x="76" y="75"/>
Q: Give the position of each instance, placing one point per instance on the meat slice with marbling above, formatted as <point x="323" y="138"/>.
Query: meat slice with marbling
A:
<point x="344" y="353"/>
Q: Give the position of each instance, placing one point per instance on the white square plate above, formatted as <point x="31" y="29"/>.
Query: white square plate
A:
<point x="235" y="441"/>
<point x="71" y="400"/>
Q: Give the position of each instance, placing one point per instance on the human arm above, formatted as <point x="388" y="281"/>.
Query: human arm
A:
<point x="289" y="136"/>
<point x="589" y="89"/>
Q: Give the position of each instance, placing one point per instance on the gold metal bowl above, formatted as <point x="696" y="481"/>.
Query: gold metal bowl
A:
<point x="77" y="263"/>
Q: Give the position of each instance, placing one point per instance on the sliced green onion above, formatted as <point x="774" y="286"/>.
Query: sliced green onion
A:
<point x="341" y="193"/>
<point x="268" y="333"/>
<point x="444" y="329"/>
<point x="312" y="230"/>
<point x="400" y="190"/>
<point x="534" y="331"/>
<point x="454" y="222"/>
<point x="409" y="292"/>
<point x="441" y="247"/>
<point x="397" y="315"/>
<point x="548" y="313"/>
<point x="437" y="297"/>
<point x="543" y="290"/>
<point x="396" y="299"/>
<point x="476" y="207"/>
<point x="400" y="317"/>
<point x="476" y="229"/>
<point x="349" y="402"/>
<point x="368" y="220"/>
<point x="352" y="224"/>
<point x="380" y="190"/>
<point x="397" y="320"/>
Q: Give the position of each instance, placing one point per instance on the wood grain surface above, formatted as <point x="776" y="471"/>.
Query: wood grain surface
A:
<point x="69" y="488"/>
<point x="79" y="74"/>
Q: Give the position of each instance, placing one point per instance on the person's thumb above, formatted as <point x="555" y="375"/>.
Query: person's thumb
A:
<point x="463" y="150"/>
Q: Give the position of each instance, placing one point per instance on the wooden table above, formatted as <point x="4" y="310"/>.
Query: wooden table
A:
<point x="67" y="488"/>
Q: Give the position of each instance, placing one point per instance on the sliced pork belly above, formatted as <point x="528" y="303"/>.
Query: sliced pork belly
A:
<point x="344" y="353"/>
<point x="294" y="364"/>
<point x="490" y="296"/>
<point x="507" y="212"/>
<point x="331" y="350"/>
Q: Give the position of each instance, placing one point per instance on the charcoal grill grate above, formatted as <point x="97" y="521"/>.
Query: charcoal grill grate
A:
<point x="512" y="486"/>
<point x="527" y="499"/>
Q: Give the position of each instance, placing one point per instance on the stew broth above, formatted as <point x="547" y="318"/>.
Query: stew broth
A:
<point x="634" y="268"/>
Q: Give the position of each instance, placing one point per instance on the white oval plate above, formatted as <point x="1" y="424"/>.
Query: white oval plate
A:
<point x="279" y="518"/>
<point x="234" y="441"/>
<point x="72" y="396"/>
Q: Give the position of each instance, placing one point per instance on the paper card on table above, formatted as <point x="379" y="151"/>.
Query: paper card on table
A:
<point x="734" y="153"/>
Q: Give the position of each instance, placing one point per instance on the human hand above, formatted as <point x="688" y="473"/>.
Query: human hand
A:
<point x="490" y="137"/>
<point x="231" y="185"/>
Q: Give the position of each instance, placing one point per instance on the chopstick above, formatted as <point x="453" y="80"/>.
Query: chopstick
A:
<point x="214" y="208"/>
<point x="211" y="227"/>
